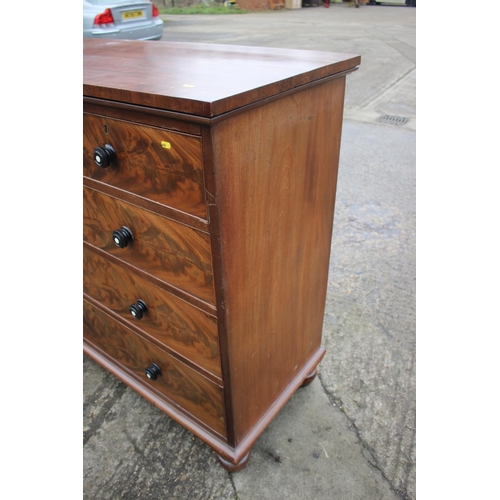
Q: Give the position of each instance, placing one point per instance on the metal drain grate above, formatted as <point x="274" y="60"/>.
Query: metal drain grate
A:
<point x="392" y="120"/>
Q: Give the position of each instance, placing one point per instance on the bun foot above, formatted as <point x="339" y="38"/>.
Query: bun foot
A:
<point x="229" y="466"/>
<point x="310" y="378"/>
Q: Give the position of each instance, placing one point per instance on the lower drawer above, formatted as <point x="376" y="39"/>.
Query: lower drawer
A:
<point x="181" y="384"/>
<point x="171" y="321"/>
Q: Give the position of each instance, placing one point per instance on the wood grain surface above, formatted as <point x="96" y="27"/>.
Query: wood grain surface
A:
<point x="169" y="320"/>
<point x="237" y="220"/>
<point x="161" y="165"/>
<point x="191" y="391"/>
<point x="174" y="253"/>
<point x="275" y="174"/>
<point x="200" y="79"/>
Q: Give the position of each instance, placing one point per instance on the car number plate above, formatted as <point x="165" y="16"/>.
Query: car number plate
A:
<point x="132" y="14"/>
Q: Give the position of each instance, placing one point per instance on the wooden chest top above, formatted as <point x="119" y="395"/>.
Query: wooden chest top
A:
<point x="205" y="80"/>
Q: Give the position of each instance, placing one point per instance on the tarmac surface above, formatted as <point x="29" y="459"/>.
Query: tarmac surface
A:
<point x="351" y="433"/>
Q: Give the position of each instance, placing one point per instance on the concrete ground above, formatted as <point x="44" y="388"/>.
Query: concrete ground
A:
<point x="351" y="433"/>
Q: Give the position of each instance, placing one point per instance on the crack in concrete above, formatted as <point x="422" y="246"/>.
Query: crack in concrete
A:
<point x="367" y="452"/>
<point x="96" y="424"/>
<point x="390" y="86"/>
<point x="276" y="458"/>
<point x="393" y="42"/>
<point x="230" y="474"/>
<point x="137" y="449"/>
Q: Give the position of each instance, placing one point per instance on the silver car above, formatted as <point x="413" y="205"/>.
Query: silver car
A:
<point x="123" y="19"/>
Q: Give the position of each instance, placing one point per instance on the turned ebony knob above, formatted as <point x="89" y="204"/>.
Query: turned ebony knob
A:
<point x="122" y="237"/>
<point x="138" y="309"/>
<point x="153" y="371"/>
<point x="104" y="156"/>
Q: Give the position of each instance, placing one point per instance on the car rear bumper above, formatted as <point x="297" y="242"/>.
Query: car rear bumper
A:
<point x="153" y="31"/>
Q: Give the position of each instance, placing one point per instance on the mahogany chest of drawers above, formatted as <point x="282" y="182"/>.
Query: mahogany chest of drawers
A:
<point x="209" y="188"/>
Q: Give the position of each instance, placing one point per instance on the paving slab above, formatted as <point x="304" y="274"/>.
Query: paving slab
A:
<point x="132" y="450"/>
<point x="369" y="329"/>
<point x="311" y="451"/>
<point x="384" y="36"/>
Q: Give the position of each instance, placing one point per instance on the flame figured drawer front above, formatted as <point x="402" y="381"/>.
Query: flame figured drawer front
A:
<point x="158" y="164"/>
<point x="172" y="252"/>
<point x="176" y="324"/>
<point x="193" y="392"/>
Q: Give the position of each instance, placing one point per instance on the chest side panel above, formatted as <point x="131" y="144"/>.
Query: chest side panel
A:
<point x="276" y="173"/>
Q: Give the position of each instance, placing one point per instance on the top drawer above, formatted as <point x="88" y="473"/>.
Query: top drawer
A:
<point x="158" y="164"/>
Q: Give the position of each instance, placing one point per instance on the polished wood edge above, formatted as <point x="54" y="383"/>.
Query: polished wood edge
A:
<point x="215" y="379"/>
<point x="212" y="115"/>
<point x="170" y="213"/>
<point x="247" y="443"/>
<point x="206" y="307"/>
<point x="230" y="467"/>
<point x="229" y="114"/>
<point x="131" y="113"/>
<point x="267" y="100"/>
<point x="143" y="109"/>
<point x="213" y="217"/>
<point x="212" y="438"/>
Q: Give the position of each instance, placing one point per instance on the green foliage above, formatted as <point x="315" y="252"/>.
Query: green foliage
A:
<point x="203" y="9"/>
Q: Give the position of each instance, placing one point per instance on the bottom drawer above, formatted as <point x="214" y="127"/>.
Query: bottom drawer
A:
<point x="180" y="383"/>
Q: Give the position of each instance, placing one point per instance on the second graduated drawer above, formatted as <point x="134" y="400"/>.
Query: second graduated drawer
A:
<point x="171" y="321"/>
<point x="176" y="254"/>
<point x="154" y="163"/>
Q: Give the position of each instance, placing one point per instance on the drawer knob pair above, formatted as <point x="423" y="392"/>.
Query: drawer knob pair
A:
<point x="104" y="156"/>
<point x="122" y="237"/>
<point x="152" y="371"/>
<point x="138" y="309"/>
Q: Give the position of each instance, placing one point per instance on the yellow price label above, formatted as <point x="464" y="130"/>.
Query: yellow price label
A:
<point x="165" y="145"/>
